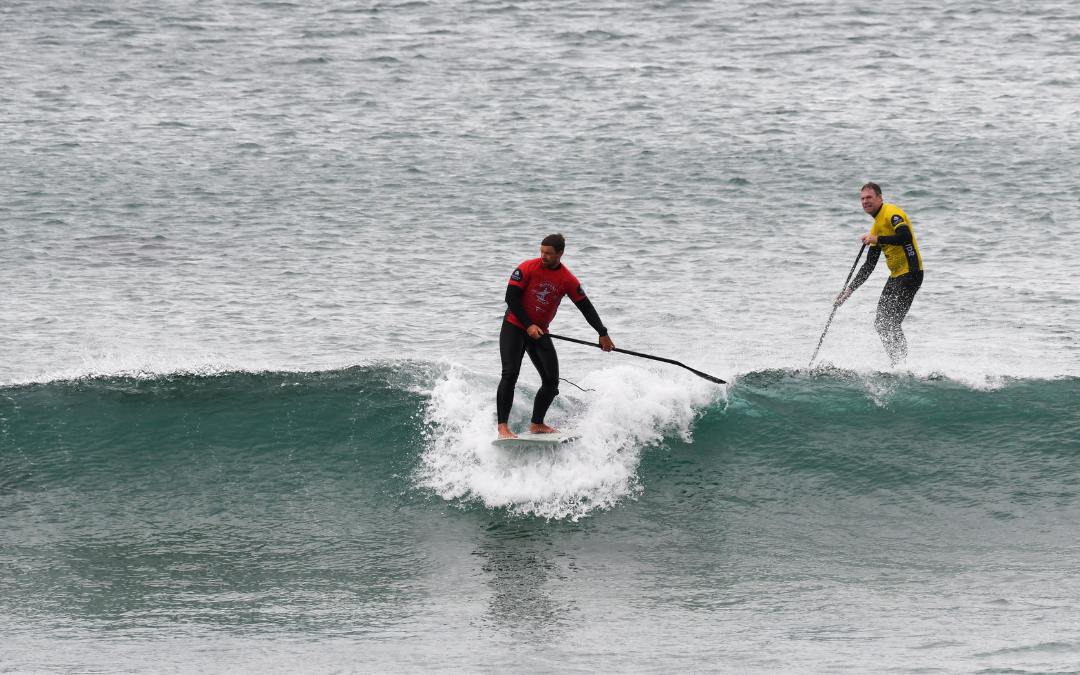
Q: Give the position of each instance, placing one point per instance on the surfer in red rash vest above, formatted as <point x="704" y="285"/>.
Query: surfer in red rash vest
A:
<point x="532" y="297"/>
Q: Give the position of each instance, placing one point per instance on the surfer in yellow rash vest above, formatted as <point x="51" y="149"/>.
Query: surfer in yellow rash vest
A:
<point x="891" y="234"/>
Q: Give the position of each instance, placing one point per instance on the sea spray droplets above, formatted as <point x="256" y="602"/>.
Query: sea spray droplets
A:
<point x="629" y="410"/>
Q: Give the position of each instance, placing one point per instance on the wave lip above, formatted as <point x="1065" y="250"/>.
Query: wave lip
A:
<point x="629" y="410"/>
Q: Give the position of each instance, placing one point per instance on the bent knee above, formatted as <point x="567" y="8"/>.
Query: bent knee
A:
<point x="886" y="324"/>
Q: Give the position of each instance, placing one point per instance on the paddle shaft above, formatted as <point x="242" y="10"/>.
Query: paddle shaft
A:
<point x="836" y="307"/>
<point x="706" y="376"/>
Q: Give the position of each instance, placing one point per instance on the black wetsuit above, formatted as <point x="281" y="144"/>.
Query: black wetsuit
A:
<point x="896" y="297"/>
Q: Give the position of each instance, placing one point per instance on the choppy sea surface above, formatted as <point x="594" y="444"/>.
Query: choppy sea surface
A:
<point x="254" y="254"/>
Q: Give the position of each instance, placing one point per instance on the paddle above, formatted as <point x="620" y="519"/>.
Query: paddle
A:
<point x="708" y="377"/>
<point x="835" y="307"/>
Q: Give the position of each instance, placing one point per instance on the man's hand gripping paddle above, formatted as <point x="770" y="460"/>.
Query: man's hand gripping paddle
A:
<point x="836" y="306"/>
<point x="706" y="376"/>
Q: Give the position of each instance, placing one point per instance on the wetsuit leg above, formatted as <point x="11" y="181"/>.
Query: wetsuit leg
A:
<point x="512" y="343"/>
<point x="542" y="353"/>
<point x="893" y="306"/>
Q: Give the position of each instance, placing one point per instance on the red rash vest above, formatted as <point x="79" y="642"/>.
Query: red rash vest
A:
<point x="543" y="290"/>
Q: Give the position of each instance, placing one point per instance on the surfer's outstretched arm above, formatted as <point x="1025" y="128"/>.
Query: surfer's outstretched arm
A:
<point x="872" y="256"/>
<point x="589" y="312"/>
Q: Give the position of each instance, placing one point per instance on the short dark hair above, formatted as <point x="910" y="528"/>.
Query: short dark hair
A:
<point x="556" y="241"/>
<point x="873" y="186"/>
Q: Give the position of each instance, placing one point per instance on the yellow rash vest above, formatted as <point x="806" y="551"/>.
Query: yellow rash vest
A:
<point x="902" y="258"/>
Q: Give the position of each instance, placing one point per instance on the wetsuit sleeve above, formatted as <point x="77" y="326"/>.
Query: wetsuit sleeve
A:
<point x="871" y="262"/>
<point x="902" y="236"/>
<point x="587" y="309"/>
<point x="513" y="301"/>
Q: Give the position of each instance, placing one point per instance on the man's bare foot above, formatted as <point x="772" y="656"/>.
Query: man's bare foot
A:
<point x="504" y="432"/>
<point x="542" y="429"/>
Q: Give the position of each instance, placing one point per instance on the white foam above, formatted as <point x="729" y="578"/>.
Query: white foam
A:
<point x="629" y="410"/>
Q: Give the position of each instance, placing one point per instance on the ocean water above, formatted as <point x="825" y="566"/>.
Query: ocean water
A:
<point x="254" y="256"/>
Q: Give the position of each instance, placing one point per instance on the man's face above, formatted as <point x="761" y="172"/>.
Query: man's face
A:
<point x="871" y="202"/>
<point x="549" y="258"/>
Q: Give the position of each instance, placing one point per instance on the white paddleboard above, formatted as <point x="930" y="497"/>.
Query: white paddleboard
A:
<point x="537" y="440"/>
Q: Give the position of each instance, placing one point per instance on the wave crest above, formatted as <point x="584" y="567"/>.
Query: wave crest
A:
<point x="629" y="410"/>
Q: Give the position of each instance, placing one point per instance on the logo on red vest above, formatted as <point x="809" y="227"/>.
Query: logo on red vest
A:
<point x="545" y="289"/>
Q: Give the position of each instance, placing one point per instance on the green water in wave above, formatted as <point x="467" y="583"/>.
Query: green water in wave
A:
<point x="887" y="432"/>
<point x="940" y="470"/>
<point x="277" y="503"/>
<point x="209" y="499"/>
